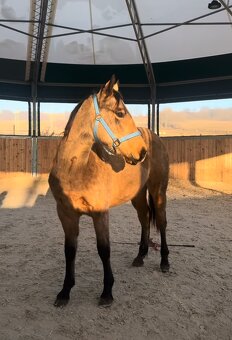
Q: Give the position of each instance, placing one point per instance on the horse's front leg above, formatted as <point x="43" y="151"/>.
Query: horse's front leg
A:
<point x="70" y="223"/>
<point x="101" y="225"/>
<point x="140" y="204"/>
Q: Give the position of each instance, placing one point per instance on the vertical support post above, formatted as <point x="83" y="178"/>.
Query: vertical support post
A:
<point x="51" y="9"/>
<point x="38" y="106"/>
<point x="41" y="10"/>
<point x="34" y="130"/>
<point x="131" y="5"/>
<point x="29" y="118"/>
<point x="153" y="114"/>
<point x="157" y="119"/>
<point x="34" y="114"/>
<point x="148" y="116"/>
<point x="34" y="155"/>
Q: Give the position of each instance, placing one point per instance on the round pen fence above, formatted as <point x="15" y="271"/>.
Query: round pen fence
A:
<point x="200" y="159"/>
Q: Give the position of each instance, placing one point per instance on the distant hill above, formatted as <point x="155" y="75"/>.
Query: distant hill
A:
<point x="172" y="123"/>
<point x="184" y="123"/>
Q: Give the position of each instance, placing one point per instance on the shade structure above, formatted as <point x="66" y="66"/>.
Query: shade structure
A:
<point x="61" y="50"/>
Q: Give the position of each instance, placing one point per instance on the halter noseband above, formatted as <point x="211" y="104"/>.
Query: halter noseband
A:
<point x="100" y="119"/>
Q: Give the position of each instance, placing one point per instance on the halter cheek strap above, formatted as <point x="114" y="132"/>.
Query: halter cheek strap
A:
<point x="100" y="119"/>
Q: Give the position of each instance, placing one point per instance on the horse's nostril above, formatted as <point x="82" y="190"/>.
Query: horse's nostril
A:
<point x="139" y="158"/>
<point x="143" y="154"/>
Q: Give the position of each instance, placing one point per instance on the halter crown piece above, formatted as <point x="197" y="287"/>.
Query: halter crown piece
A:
<point x="100" y="119"/>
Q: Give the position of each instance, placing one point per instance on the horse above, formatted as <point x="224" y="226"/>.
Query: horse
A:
<point x="104" y="160"/>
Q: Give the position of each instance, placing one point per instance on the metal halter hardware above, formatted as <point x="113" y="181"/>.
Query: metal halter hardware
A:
<point x="100" y="119"/>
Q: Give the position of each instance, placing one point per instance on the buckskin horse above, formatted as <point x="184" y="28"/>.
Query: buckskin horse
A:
<point x="104" y="160"/>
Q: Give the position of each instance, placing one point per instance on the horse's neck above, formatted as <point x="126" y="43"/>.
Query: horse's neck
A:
<point x="76" y="147"/>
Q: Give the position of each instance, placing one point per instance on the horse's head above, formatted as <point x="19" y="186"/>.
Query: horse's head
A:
<point x="114" y="127"/>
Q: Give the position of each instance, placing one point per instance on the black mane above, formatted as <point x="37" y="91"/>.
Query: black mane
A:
<point x="71" y="118"/>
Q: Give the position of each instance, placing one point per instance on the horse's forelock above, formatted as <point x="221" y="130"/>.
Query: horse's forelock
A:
<point x="118" y="96"/>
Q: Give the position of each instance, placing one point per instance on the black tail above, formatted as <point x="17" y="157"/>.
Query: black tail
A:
<point x="152" y="210"/>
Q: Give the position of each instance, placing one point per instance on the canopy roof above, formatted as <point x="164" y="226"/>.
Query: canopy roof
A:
<point x="59" y="50"/>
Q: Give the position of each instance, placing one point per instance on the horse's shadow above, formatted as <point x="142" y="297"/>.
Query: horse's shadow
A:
<point x="2" y="197"/>
<point x="116" y="161"/>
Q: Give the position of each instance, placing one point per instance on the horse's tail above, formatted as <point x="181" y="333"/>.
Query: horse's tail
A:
<point x="151" y="210"/>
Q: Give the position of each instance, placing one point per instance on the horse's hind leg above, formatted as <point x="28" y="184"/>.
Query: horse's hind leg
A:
<point x="141" y="205"/>
<point x="70" y="223"/>
<point x="101" y="225"/>
<point x="159" y="202"/>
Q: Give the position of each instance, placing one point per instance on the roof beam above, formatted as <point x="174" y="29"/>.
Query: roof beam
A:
<point x="42" y="13"/>
<point x="39" y="45"/>
<point x="52" y="4"/>
<point x="115" y="26"/>
<point x="33" y="32"/>
<point x="227" y="8"/>
<point x="186" y="22"/>
<point x="144" y="54"/>
<point x="92" y="31"/>
<point x="16" y="30"/>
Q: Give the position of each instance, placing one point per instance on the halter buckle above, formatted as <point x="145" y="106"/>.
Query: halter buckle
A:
<point x="116" y="143"/>
<point x="98" y="117"/>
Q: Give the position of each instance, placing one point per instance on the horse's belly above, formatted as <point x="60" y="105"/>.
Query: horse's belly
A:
<point x="102" y="196"/>
<point x="101" y="192"/>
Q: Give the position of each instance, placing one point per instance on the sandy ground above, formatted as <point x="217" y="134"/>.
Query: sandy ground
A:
<point x="193" y="301"/>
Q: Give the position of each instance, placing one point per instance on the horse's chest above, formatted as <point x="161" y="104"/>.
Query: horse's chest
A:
<point x="88" y="201"/>
<point x="81" y="203"/>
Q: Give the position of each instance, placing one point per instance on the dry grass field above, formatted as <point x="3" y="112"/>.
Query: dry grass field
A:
<point x="172" y="123"/>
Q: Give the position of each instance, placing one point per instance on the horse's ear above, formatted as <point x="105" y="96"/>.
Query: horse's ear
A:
<point x="110" y="85"/>
<point x="116" y="86"/>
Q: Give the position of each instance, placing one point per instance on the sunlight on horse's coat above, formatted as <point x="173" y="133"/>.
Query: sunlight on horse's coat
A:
<point x="103" y="161"/>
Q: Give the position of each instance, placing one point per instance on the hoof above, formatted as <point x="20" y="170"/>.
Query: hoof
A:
<point x="61" y="300"/>
<point x="106" y="301"/>
<point x="164" y="267"/>
<point x="138" y="262"/>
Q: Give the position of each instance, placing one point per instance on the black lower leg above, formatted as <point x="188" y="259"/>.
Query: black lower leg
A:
<point x="143" y="248"/>
<point x="101" y="225"/>
<point x="69" y="281"/>
<point x="104" y="253"/>
<point x="164" y="265"/>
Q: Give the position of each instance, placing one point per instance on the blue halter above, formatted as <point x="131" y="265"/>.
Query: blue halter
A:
<point x="100" y="119"/>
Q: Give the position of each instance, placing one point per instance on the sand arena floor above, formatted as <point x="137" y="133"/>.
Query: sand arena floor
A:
<point x="193" y="301"/>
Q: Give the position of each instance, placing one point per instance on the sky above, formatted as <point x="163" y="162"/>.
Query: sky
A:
<point x="134" y="109"/>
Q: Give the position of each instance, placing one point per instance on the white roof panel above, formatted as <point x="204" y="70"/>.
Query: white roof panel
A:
<point x="183" y="42"/>
<point x="88" y="48"/>
<point x="13" y="45"/>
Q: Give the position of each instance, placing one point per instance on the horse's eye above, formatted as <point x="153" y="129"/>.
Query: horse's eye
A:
<point x="119" y="114"/>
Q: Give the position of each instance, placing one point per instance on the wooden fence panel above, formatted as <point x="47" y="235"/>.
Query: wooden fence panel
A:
<point x="15" y="154"/>
<point x="198" y="159"/>
<point x="46" y="152"/>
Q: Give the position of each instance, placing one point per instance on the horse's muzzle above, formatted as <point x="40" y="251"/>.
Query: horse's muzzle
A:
<point x="133" y="161"/>
<point x="143" y="155"/>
